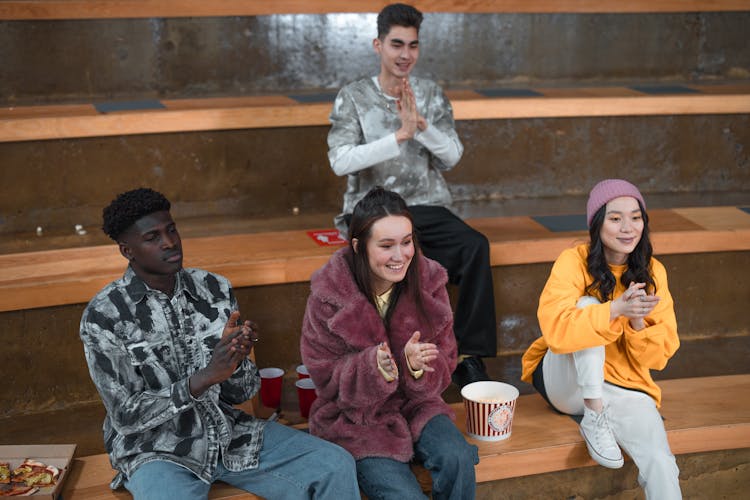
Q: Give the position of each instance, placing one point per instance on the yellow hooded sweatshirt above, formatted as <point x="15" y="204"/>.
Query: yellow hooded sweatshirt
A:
<point x="629" y="353"/>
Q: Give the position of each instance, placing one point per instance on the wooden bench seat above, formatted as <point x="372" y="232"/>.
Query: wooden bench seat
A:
<point x="74" y="275"/>
<point x="700" y="415"/>
<point x="29" y="123"/>
<point x="109" y="9"/>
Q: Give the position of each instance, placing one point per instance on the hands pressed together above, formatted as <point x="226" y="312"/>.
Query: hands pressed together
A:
<point x="635" y="304"/>
<point x="411" y="120"/>
<point x="236" y="342"/>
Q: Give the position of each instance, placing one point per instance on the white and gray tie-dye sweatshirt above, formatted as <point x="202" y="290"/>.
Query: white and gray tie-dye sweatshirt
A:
<point x="142" y="346"/>
<point x="362" y="144"/>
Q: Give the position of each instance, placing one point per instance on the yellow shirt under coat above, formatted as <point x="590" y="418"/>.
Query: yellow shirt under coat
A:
<point x="629" y="353"/>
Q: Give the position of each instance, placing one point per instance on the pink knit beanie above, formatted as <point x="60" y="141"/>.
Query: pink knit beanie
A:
<point x="606" y="191"/>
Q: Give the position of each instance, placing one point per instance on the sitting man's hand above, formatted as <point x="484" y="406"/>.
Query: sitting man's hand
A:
<point x="235" y="345"/>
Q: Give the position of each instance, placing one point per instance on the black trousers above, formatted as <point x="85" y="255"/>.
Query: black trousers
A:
<point x="465" y="253"/>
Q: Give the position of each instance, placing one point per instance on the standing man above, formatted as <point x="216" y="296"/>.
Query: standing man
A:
<point x="169" y="356"/>
<point x="397" y="131"/>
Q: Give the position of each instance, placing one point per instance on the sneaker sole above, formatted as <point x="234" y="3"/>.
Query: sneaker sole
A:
<point x="603" y="461"/>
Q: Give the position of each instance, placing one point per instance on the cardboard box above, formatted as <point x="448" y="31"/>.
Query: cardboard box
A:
<point x="57" y="455"/>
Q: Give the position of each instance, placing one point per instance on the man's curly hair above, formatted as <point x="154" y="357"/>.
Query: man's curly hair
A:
<point x="130" y="206"/>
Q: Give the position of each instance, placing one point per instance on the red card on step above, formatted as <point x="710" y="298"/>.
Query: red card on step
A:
<point x="327" y="237"/>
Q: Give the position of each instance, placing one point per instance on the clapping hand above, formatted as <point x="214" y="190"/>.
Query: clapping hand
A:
<point x="235" y="345"/>
<point x="385" y="360"/>
<point x="635" y="304"/>
<point x="420" y="354"/>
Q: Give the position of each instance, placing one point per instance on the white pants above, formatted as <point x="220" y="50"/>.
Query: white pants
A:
<point x="633" y="416"/>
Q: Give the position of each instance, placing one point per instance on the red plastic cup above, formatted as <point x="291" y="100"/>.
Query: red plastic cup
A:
<point x="306" y="394"/>
<point x="302" y="372"/>
<point x="270" y="386"/>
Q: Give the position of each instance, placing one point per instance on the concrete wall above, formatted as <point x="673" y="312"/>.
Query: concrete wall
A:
<point x="106" y="59"/>
<point x="256" y="173"/>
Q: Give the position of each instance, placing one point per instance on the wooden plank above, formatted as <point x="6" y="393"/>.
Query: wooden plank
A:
<point x="74" y="275"/>
<point x="229" y="102"/>
<point x="27" y="123"/>
<point x="720" y="218"/>
<point x="567" y="107"/>
<point x="162" y="121"/>
<point x="593" y="91"/>
<point x="108" y="9"/>
<point x="49" y="110"/>
<point x="89" y="479"/>
<point x="701" y="414"/>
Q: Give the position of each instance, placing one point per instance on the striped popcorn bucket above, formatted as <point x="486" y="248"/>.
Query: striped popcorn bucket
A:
<point x="489" y="409"/>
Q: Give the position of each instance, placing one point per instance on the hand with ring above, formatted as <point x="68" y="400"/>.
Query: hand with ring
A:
<point x="420" y="354"/>
<point x="385" y="360"/>
<point x="635" y="304"/>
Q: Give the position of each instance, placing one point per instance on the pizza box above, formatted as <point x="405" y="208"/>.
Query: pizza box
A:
<point x="58" y="455"/>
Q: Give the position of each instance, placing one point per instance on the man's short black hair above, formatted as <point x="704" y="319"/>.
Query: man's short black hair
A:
<point x="130" y="206"/>
<point x="398" y="14"/>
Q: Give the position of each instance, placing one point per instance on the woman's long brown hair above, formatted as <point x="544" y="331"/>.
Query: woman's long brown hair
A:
<point x="377" y="204"/>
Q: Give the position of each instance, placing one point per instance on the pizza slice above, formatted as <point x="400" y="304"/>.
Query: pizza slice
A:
<point x="16" y="489"/>
<point x="4" y="473"/>
<point x="34" y="473"/>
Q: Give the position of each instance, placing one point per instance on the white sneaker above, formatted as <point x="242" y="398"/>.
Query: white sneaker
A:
<point x="600" y="440"/>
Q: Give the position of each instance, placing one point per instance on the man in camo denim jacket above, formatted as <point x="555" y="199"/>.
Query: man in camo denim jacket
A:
<point x="169" y="359"/>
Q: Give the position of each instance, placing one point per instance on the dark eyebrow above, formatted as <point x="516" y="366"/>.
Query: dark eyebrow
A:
<point x="398" y="40"/>
<point x="157" y="230"/>
<point x="637" y="210"/>
<point x="404" y="237"/>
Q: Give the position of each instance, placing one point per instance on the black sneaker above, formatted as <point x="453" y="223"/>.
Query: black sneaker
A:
<point x="469" y="370"/>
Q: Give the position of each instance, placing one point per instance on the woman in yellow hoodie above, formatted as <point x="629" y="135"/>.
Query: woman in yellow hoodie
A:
<point x="607" y="319"/>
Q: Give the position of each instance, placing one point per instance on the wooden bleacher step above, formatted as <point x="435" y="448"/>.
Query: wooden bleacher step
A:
<point x="29" y="123"/>
<point x="700" y="415"/>
<point x="74" y="275"/>
<point x="111" y="9"/>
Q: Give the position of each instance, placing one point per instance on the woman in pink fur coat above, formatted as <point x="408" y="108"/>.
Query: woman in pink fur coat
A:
<point x="378" y="341"/>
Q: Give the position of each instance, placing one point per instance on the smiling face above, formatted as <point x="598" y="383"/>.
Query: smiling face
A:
<point x="390" y="250"/>
<point x="622" y="229"/>
<point x="399" y="51"/>
<point x="153" y="247"/>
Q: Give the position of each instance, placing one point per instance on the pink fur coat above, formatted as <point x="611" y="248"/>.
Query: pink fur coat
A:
<point x="356" y="408"/>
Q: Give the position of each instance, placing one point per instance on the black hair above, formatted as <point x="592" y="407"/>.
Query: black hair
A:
<point x="130" y="206"/>
<point x="639" y="260"/>
<point x="398" y="14"/>
<point x="377" y="204"/>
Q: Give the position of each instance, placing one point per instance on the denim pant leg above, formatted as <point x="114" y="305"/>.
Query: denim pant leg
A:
<point x="164" y="480"/>
<point x="387" y="479"/>
<point x="295" y="465"/>
<point x="449" y="458"/>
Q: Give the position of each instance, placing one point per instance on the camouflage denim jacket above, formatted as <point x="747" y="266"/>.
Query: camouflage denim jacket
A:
<point x="141" y="347"/>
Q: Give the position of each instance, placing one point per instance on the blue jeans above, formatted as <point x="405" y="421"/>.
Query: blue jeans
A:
<point x="442" y="450"/>
<point x="293" y="465"/>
